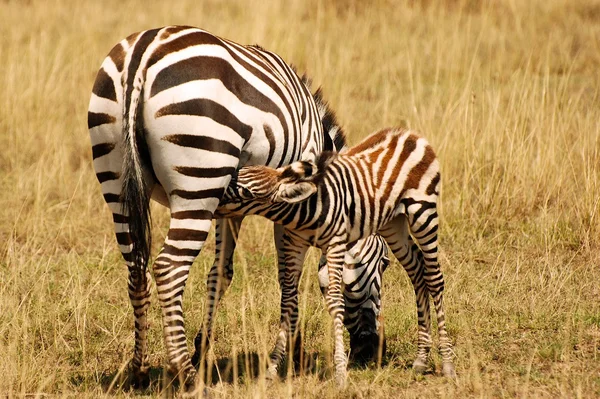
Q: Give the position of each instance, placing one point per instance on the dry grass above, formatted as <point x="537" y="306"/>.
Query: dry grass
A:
<point x="507" y="92"/>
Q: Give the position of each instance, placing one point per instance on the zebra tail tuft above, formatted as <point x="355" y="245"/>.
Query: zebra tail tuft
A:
<point x="135" y="193"/>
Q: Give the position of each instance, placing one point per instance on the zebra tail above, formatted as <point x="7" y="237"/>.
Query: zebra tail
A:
<point x="135" y="193"/>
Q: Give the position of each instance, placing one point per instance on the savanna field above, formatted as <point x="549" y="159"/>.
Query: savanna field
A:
<point x="508" y="94"/>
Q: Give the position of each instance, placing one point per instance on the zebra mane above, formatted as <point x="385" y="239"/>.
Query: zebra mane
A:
<point x="322" y="163"/>
<point x="328" y="118"/>
<point x="330" y="123"/>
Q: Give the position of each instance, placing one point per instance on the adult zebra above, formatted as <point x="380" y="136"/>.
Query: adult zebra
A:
<point x="387" y="184"/>
<point x="173" y="112"/>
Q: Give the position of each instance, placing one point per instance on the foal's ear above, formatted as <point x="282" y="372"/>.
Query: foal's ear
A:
<point x="295" y="192"/>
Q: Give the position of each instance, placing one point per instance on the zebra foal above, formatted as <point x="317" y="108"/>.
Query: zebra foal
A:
<point x="387" y="184"/>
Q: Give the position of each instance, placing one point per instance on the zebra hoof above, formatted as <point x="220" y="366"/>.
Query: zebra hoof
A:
<point x="185" y="378"/>
<point x="448" y="370"/>
<point x="420" y="366"/>
<point x="341" y="379"/>
<point x="272" y="373"/>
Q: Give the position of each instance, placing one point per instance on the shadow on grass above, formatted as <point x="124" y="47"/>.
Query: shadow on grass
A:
<point x="247" y="367"/>
<point x="243" y="368"/>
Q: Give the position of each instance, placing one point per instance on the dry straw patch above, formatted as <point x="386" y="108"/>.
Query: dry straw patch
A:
<point x="506" y="91"/>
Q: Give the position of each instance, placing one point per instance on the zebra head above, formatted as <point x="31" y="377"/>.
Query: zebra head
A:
<point x="299" y="180"/>
<point x="255" y="188"/>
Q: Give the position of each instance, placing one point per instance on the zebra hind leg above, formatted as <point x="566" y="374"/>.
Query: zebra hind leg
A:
<point x="424" y="229"/>
<point x="411" y="259"/>
<point x="139" y="295"/>
<point x="139" y="282"/>
<point x="186" y="236"/>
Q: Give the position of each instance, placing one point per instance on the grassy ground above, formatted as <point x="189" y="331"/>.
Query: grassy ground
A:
<point x="506" y="91"/>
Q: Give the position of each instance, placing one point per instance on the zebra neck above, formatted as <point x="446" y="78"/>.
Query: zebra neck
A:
<point x="300" y="215"/>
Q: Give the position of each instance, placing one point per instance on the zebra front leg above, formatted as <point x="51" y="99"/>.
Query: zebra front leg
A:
<point x="187" y="232"/>
<point x="424" y="229"/>
<point x="289" y="279"/>
<point x="295" y="342"/>
<point x="218" y="281"/>
<point x="335" y="306"/>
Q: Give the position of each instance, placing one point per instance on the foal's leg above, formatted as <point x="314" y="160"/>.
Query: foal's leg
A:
<point x="335" y="306"/>
<point x="424" y="228"/>
<point x="411" y="258"/>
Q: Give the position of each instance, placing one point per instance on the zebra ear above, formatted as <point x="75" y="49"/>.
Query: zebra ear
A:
<point x="295" y="192"/>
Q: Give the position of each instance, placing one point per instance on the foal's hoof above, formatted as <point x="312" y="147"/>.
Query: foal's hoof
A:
<point x="420" y="366"/>
<point x="448" y="370"/>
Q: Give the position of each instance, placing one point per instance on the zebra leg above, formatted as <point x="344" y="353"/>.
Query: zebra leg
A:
<point x="335" y="306"/>
<point x="218" y="281"/>
<point x="187" y="233"/>
<point x="139" y="295"/>
<point x="289" y="279"/>
<point x="108" y="163"/>
<point x="424" y="229"/>
<point x="295" y="344"/>
<point x="411" y="259"/>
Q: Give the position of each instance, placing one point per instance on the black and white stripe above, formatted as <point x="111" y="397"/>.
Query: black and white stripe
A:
<point x="173" y="113"/>
<point x="387" y="184"/>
